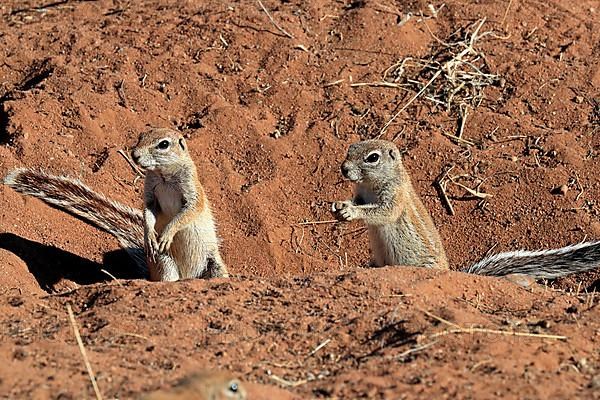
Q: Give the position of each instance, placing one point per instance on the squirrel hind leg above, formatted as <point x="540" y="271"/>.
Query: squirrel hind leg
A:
<point x="164" y="269"/>
<point x="374" y="263"/>
<point x="215" y="267"/>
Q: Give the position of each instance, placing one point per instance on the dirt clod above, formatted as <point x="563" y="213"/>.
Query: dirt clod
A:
<point x="561" y="190"/>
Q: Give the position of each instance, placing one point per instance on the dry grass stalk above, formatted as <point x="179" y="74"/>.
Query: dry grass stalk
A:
<point x="86" y="361"/>
<point x="459" y="329"/>
<point x="279" y="28"/>
<point x="453" y="78"/>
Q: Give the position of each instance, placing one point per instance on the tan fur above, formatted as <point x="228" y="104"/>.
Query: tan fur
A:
<point x="203" y="386"/>
<point x="401" y="231"/>
<point x="179" y="231"/>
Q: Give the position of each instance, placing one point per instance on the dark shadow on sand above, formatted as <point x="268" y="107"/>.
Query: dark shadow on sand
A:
<point x="49" y="264"/>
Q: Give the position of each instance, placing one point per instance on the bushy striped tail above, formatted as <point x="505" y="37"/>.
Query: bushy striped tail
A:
<point x="543" y="264"/>
<point x="75" y="198"/>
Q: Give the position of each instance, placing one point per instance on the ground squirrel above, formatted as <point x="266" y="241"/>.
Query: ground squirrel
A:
<point x="202" y="386"/>
<point x="176" y="228"/>
<point x="401" y="231"/>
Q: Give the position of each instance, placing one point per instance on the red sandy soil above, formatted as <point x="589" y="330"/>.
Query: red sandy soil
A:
<point x="80" y="79"/>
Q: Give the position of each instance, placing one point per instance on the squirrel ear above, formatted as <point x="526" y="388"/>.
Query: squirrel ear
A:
<point x="392" y="154"/>
<point x="182" y="143"/>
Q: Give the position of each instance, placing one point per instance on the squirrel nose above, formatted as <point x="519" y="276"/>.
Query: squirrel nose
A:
<point x="135" y="157"/>
<point x="345" y="170"/>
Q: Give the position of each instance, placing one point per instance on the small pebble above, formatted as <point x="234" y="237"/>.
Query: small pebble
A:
<point x="16" y="301"/>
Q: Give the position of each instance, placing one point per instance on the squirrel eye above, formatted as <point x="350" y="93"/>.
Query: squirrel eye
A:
<point x="233" y="387"/>
<point x="163" y="144"/>
<point x="372" y="158"/>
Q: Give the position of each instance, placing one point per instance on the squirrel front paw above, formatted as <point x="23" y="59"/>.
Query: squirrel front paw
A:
<point x="166" y="238"/>
<point x="151" y="245"/>
<point x="345" y="210"/>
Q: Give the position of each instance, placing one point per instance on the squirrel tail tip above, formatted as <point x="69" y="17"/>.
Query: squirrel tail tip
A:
<point x="11" y="177"/>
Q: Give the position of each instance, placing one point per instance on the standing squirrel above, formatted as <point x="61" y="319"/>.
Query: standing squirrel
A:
<point x="176" y="227"/>
<point x="401" y="231"/>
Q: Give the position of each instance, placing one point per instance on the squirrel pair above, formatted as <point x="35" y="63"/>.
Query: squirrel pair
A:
<point x="177" y="230"/>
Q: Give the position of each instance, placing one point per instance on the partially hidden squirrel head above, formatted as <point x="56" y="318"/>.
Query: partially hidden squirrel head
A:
<point x="206" y="385"/>
<point x="372" y="161"/>
<point x="160" y="149"/>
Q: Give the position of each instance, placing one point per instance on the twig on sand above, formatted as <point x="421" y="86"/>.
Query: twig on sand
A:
<point x="121" y="93"/>
<point x="134" y="167"/>
<point x="463" y="111"/>
<point x="506" y="12"/>
<point x="579" y="187"/>
<point x="420" y="92"/>
<point x="459" y="329"/>
<point x="86" y="361"/>
<point x="453" y="78"/>
<point x="499" y="332"/>
<point x="472" y="192"/>
<point x="440" y="183"/>
<point x="285" y="382"/>
<point x="416" y="349"/>
<point x="111" y="275"/>
<point x="286" y="33"/>
<point x="458" y="139"/>
<point x="319" y="347"/>
<point x="334" y="83"/>
<point x="330" y="221"/>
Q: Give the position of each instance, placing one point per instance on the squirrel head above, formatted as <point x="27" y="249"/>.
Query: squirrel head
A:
<point x="204" y="385"/>
<point x="372" y="161"/>
<point x="160" y="149"/>
<point x="231" y="389"/>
